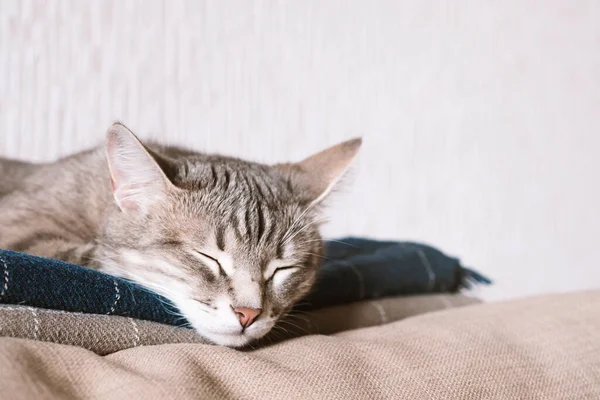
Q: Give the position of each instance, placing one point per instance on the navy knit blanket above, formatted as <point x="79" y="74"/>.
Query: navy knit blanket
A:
<point x="354" y="269"/>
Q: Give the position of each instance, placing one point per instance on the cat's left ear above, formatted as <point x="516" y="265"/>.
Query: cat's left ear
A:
<point x="316" y="176"/>
<point x="138" y="182"/>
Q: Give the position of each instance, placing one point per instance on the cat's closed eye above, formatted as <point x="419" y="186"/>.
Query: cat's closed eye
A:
<point x="282" y="273"/>
<point x="205" y="302"/>
<point x="211" y="262"/>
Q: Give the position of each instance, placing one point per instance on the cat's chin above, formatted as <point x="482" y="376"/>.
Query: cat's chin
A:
<point x="235" y="340"/>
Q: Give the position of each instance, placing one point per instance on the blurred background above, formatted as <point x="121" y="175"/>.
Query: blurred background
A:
<point x="481" y="118"/>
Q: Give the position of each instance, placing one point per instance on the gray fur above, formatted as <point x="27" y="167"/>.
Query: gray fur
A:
<point x="243" y="214"/>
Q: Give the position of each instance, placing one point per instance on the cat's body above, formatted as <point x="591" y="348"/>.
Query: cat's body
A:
<point x="232" y="243"/>
<point x="13" y="174"/>
<point x="55" y="208"/>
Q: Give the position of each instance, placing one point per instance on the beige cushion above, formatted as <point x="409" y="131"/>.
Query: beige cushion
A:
<point x="540" y="348"/>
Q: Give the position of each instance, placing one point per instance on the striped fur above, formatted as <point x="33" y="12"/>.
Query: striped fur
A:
<point x="203" y="230"/>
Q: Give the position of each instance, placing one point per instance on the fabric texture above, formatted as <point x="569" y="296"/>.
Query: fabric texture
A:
<point x="105" y="334"/>
<point x="354" y="269"/>
<point x="540" y="348"/>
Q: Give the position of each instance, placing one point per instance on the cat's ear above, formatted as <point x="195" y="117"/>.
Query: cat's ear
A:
<point x="137" y="180"/>
<point x="317" y="175"/>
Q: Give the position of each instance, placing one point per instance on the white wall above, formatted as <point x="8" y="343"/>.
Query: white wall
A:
<point x="480" y="120"/>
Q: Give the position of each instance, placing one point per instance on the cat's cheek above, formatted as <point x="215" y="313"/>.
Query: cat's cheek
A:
<point x="206" y="319"/>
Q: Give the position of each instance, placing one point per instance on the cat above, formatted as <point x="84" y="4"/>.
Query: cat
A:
<point x="232" y="243"/>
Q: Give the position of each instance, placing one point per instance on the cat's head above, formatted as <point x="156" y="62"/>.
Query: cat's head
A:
<point x="233" y="244"/>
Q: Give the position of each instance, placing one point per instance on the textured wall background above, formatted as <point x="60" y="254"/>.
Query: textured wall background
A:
<point x="480" y="120"/>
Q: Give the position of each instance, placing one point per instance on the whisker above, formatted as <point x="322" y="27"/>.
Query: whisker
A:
<point x="304" y="227"/>
<point x="317" y="255"/>
<point x="299" y="317"/>
<point x="285" y="331"/>
<point x="292" y="226"/>
<point x="304" y="330"/>
<point x="329" y="240"/>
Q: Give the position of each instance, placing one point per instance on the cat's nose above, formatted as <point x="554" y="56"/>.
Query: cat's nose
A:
<point x="247" y="316"/>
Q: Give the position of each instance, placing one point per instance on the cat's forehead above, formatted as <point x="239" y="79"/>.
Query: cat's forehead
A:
<point x="234" y="187"/>
<point x="237" y="225"/>
<point x="244" y="210"/>
<point x="222" y="175"/>
<point x="232" y="242"/>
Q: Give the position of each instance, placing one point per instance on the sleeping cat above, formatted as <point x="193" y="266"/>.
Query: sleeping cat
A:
<point x="233" y="244"/>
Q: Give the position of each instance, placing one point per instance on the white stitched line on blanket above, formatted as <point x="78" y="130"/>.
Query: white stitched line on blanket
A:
<point x="36" y="323"/>
<point x="117" y="297"/>
<point x="5" y="286"/>
<point x="382" y="315"/>
<point x="429" y="270"/>
<point x="136" y="340"/>
<point x="361" y="281"/>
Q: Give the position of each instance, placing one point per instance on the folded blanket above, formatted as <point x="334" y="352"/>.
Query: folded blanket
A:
<point x="107" y="334"/>
<point x="355" y="269"/>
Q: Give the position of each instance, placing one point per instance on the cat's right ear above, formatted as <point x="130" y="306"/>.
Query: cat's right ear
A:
<point x="137" y="180"/>
<point x="316" y="176"/>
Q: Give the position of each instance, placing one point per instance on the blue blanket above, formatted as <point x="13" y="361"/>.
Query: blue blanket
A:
<point x="354" y="269"/>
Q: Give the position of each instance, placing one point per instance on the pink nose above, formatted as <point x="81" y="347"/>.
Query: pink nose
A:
<point x="247" y="316"/>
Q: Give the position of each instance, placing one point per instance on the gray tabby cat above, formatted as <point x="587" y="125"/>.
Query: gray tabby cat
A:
<point x="233" y="244"/>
